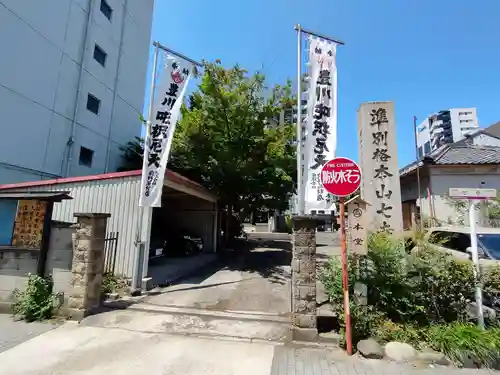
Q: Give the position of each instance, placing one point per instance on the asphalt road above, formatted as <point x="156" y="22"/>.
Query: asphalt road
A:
<point x="254" y="278"/>
<point x="14" y="333"/>
<point x="322" y="238"/>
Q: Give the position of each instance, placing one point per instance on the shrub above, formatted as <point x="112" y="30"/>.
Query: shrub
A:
<point x="418" y="288"/>
<point x="390" y="331"/>
<point x="364" y="322"/>
<point x="491" y="285"/>
<point x="364" y="319"/>
<point x="112" y="283"/>
<point x="386" y="275"/>
<point x="331" y="277"/>
<point x="418" y="297"/>
<point x="37" y="301"/>
<point x="461" y="342"/>
<point x="443" y="286"/>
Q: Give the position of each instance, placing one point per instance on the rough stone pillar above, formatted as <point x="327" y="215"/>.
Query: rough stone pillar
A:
<point x="304" y="319"/>
<point x="88" y="263"/>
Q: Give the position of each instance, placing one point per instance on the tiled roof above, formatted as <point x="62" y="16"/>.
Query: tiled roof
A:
<point x="457" y="154"/>
<point x="494" y="129"/>
<point x="467" y="154"/>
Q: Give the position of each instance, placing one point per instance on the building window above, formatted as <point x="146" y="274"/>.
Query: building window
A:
<point x="106" y="9"/>
<point x="86" y="156"/>
<point x="99" y="55"/>
<point x="93" y="104"/>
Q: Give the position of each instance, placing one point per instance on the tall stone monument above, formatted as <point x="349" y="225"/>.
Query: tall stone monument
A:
<point x="378" y="160"/>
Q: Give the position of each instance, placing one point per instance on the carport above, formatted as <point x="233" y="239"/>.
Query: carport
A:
<point x="181" y="214"/>
<point x="185" y="204"/>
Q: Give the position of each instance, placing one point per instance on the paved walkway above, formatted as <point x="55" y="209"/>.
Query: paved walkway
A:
<point x="254" y="279"/>
<point x="76" y="350"/>
<point x="295" y="361"/>
<point x="200" y="343"/>
<point x="73" y="349"/>
<point x="14" y="333"/>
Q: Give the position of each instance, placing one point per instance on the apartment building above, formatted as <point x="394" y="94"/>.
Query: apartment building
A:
<point x="445" y="127"/>
<point x="72" y="83"/>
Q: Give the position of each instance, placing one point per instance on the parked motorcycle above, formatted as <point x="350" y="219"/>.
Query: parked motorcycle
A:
<point x="176" y="244"/>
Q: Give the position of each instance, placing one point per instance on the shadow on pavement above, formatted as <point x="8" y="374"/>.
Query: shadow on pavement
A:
<point x="268" y="258"/>
<point x="203" y="286"/>
<point x="262" y="257"/>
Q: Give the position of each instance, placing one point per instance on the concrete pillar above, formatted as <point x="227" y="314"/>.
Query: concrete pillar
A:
<point x="304" y="318"/>
<point x="88" y="263"/>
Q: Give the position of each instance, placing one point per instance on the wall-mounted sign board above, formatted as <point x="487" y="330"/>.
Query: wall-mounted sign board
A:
<point x="29" y="223"/>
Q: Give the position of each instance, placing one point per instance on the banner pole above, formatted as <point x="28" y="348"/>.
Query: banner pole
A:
<point x="417" y="156"/>
<point x="172" y="52"/>
<point x="345" y="278"/>
<point x="300" y="188"/>
<point x="141" y="264"/>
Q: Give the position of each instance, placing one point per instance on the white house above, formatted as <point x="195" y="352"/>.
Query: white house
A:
<point x="72" y="83"/>
<point x="465" y="164"/>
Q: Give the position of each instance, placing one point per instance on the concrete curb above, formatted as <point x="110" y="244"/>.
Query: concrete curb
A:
<point x="231" y="315"/>
<point x="204" y="336"/>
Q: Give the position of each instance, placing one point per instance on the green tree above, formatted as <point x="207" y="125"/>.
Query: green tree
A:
<point x="230" y="138"/>
<point x="132" y="154"/>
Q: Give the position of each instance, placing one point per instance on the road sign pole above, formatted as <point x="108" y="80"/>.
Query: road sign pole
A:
<point x="475" y="195"/>
<point x="342" y="177"/>
<point x="345" y="277"/>
<point x="475" y="260"/>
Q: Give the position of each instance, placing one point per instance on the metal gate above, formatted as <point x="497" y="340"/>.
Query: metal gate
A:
<point x="110" y="250"/>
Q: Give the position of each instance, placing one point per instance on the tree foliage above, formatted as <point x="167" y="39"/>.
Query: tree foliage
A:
<point x="230" y="140"/>
<point x="132" y="154"/>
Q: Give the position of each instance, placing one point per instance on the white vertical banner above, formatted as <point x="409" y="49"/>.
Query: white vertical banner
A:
<point x="321" y="126"/>
<point x="161" y="128"/>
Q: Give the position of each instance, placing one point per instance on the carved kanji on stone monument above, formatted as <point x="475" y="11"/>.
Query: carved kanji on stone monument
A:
<point x="378" y="161"/>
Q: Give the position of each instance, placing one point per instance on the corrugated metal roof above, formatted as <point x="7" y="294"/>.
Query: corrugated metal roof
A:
<point x="118" y="197"/>
<point x="40" y="195"/>
<point x="468" y="154"/>
<point x="169" y="175"/>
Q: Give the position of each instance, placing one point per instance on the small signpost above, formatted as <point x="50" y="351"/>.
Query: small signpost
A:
<point x="342" y="177"/>
<point x="356" y="222"/>
<point x="474" y="196"/>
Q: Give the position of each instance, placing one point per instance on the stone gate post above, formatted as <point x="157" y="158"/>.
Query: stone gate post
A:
<point x="304" y="319"/>
<point x="88" y="263"/>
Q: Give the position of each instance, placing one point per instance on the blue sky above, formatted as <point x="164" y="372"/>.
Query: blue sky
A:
<point x="426" y="55"/>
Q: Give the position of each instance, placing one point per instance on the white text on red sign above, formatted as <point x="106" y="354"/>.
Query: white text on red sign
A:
<point x="350" y="176"/>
